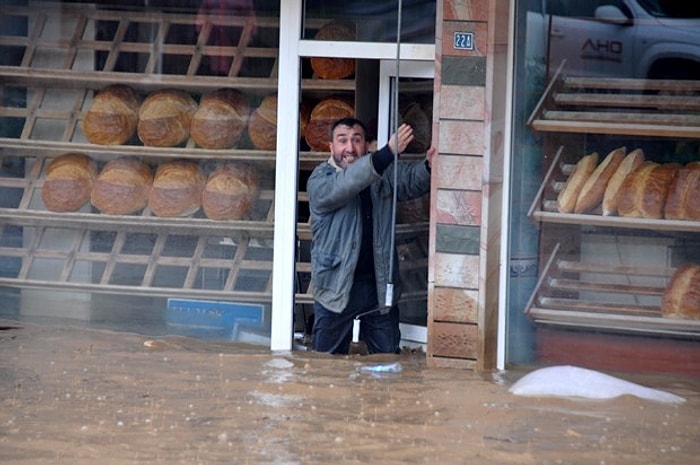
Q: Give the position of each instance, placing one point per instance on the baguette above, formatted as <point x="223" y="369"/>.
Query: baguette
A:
<point x="593" y="190"/>
<point x="566" y="200"/>
<point x="630" y="163"/>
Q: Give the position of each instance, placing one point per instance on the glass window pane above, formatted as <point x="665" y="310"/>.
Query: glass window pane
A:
<point x="593" y="245"/>
<point x="163" y="220"/>
<point x="373" y="21"/>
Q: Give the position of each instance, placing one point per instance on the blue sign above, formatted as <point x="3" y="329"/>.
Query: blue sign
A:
<point x="463" y="41"/>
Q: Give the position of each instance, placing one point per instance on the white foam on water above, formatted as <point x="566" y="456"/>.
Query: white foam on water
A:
<point x="571" y="381"/>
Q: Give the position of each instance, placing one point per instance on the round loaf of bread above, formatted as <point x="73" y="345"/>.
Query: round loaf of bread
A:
<point x="334" y="68"/>
<point x="122" y="187"/>
<point x="165" y="117"/>
<point x="112" y="116"/>
<point x="631" y="162"/>
<point x="220" y="119"/>
<point x="230" y="192"/>
<point x="324" y="114"/>
<point x="566" y="200"/>
<point x="420" y="121"/>
<point x="177" y="189"/>
<point x="643" y="192"/>
<point x="262" y="127"/>
<point x="68" y="182"/>
<point x="594" y="188"/>
<point x="683" y="201"/>
<point x="681" y="298"/>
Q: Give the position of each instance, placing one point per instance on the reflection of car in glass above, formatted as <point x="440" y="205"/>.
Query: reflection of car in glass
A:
<point x="624" y="38"/>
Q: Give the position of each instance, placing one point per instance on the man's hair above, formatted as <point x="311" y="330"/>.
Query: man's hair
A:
<point x="349" y="122"/>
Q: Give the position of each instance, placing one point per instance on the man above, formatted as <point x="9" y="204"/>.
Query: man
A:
<point x="350" y="198"/>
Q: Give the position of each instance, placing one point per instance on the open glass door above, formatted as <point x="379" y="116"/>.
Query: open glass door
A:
<point x="415" y="106"/>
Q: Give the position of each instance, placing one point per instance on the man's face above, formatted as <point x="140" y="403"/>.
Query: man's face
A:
<point x="348" y="144"/>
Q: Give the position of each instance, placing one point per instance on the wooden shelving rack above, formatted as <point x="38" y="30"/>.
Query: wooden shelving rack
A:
<point x="237" y="253"/>
<point x="576" y="292"/>
<point x="642" y="107"/>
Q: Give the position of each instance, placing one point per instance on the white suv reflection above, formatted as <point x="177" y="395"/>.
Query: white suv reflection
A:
<point x="624" y="38"/>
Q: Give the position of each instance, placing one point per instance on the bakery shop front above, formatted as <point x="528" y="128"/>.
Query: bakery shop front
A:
<point x="155" y="154"/>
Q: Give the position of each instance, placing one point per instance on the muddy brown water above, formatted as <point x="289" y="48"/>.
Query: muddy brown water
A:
<point x="82" y="396"/>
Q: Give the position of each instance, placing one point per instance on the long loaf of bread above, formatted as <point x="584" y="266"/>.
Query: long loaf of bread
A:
<point x="683" y="201"/>
<point x="630" y="163"/>
<point x="594" y="188"/>
<point x="566" y="200"/>
<point x="643" y="192"/>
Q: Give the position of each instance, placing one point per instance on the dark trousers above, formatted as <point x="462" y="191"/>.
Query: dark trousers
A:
<point x="332" y="332"/>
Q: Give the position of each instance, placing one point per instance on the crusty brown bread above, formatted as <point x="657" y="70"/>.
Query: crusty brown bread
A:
<point x="262" y="127"/>
<point x="683" y="201"/>
<point x="112" y="116"/>
<point x="164" y="118"/>
<point x="421" y="122"/>
<point x="122" y="187"/>
<point x="68" y="182"/>
<point x="681" y="298"/>
<point x="220" y="120"/>
<point x="594" y="188"/>
<point x="177" y="189"/>
<point x="334" y="68"/>
<point x="643" y="192"/>
<point x="230" y="191"/>
<point x="566" y="200"/>
<point x="630" y="163"/>
<point x="324" y="114"/>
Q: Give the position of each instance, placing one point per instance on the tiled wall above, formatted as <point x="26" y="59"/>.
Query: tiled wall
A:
<point x="467" y="181"/>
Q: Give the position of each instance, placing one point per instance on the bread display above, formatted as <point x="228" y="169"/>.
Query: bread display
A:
<point x="566" y="200"/>
<point x="593" y="189"/>
<point x="683" y="201"/>
<point x="177" y="189"/>
<point x="112" y="116"/>
<point x="323" y="115"/>
<point x="681" y="298"/>
<point x="630" y="163"/>
<point x="333" y="68"/>
<point x="164" y="118"/>
<point x="421" y="122"/>
<point x="122" y="187"/>
<point x="230" y="192"/>
<point x="643" y="192"/>
<point x="220" y="120"/>
<point x="262" y="127"/>
<point x="68" y="182"/>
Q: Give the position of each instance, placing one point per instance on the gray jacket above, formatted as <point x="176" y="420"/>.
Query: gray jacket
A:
<point x="336" y="224"/>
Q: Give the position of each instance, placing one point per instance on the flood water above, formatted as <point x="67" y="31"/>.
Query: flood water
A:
<point x="83" y="396"/>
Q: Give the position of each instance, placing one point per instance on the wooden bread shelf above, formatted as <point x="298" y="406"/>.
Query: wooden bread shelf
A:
<point x="574" y="294"/>
<point x="141" y="254"/>
<point x="544" y="209"/>
<point x="642" y="107"/>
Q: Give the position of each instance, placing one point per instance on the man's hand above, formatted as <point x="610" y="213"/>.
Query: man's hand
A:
<point x="432" y="152"/>
<point x="401" y="139"/>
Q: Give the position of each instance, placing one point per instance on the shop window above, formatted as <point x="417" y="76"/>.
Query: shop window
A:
<point x="597" y="82"/>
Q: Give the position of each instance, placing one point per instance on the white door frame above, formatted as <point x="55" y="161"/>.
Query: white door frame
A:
<point x="292" y="49"/>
